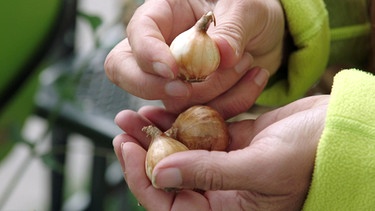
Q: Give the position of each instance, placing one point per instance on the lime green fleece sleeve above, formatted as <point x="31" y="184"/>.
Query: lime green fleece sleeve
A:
<point x="344" y="174"/>
<point x="308" y="25"/>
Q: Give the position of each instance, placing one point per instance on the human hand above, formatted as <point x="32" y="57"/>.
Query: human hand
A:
<point x="248" y="34"/>
<point x="268" y="165"/>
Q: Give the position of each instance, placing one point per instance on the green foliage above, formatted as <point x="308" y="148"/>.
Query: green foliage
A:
<point x="50" y="161"/>
<point x="94" y="22"/>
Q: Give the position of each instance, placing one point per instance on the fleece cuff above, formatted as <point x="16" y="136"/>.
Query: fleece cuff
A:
<point x="344" y="174"/>
<point x="308" y="24"/>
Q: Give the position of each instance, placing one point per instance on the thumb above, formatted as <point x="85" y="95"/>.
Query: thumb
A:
<point x="205" y="170"/>
<point x="282" y="153"/>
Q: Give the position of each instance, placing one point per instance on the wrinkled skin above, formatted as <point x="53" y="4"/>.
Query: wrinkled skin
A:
<point x="249" y="33"/>
<point x="268" y="165"/>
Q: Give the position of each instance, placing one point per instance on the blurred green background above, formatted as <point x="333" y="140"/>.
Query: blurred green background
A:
<point x="27" y="46"/>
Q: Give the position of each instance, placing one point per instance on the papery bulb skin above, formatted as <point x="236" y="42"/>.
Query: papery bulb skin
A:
<point x="201" y="127"/>
<point x="196" y="54"/>
<point x="161" y="146"/>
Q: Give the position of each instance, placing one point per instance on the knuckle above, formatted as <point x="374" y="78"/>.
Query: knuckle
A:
<point x="209" y="179"/>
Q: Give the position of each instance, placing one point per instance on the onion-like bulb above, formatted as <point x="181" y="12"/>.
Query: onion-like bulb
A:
<point x="161" y="146"/>
<point x="196" y="54"/>
<point x="200" y="127"/>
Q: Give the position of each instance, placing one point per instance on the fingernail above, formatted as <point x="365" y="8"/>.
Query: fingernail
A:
<point x="167" y="178"/>
<point x="177" y="88"/>
<point x="163" y="70"/>
<point x="261" y="77"/>
<point x="244" y="63"/>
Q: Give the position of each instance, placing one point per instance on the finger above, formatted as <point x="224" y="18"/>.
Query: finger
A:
<point x="264" y="120"/>
<point x="269" y="118"/>
<point x="137" y="181"/>
<point x="242" y="139"/>
<point x="300" y="105"/>
<point x="154" y="25"/>
<point x="132" y="123"/>
<point x="122" y="69"/>
<point x="117" y="146"/>
<point x="116" y="143"/>
<point x="268" y="165"/>
<point x="158" y="116"/>
<point x="184" y="200"/>
<point x="144" y="31"/>
<point x="243" y="95"/>
<point x="190" y="200"/>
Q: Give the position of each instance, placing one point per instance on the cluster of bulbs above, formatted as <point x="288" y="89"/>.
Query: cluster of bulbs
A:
<point x="199" y="127"/>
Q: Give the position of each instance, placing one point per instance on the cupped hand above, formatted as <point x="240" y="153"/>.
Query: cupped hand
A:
<point x="248" y="34"/>
<point x="268" y="165"/>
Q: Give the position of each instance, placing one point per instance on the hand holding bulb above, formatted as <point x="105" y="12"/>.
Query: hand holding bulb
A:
<point x="263" y="168"/>
<point x="196" y="54"/>
<point x="248" y="34"/>
<point x="197" y="128"/>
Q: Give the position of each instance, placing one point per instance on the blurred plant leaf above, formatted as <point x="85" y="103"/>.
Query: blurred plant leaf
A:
<point x="66" y="87"/>
<point x="93" y="20"/>
<point x="50" y="161"/>
<point x="16" y="136"/>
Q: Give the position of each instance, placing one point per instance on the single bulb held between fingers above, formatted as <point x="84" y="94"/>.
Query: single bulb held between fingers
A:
<point x="196" y="54"/>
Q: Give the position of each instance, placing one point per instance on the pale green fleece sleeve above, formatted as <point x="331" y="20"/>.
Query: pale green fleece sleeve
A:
<point x="344" y="174"/>
<point x="308" y="25"/>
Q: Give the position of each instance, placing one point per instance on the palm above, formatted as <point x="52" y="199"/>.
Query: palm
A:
<point x="188" y="199"/>
<point x="268" y="164"/>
